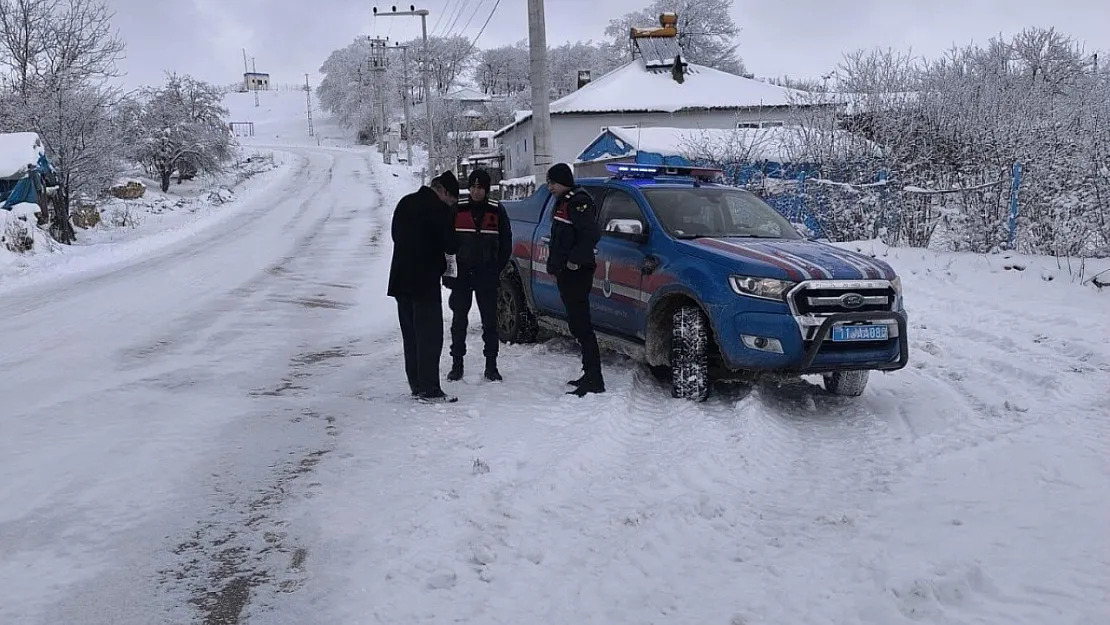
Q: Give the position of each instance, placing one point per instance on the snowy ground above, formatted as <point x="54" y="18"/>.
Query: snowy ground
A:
<point x="221" y="432"/>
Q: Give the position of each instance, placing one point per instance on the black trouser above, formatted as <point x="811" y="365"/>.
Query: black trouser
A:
<point x="574" y="290"/>
<point x="422" y="332"/>
<point x="463" y="292"/>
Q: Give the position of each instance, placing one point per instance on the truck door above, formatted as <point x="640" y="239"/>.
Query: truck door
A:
<point x="616" y="300"/>
<point x="545" y="293"/>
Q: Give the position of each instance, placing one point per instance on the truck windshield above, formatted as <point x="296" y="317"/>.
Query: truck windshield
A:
<point x="690" y="213"/>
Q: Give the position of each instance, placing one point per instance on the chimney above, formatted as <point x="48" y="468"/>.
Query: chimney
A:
<point x="678" y="70"/>
<point x="583" y="78"/>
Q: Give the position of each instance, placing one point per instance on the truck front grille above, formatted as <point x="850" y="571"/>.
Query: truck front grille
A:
<point x="819" y="300"/>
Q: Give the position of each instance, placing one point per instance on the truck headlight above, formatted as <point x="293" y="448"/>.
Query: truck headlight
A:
<point x="763" y="288"/>
<point x="896" y="283"/>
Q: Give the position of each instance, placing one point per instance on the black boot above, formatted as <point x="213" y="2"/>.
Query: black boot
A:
<point x="436" y="397"/>
<point x="456" y="372"/>
<point x="591" y="383"/>
<point x="492" y="374"/>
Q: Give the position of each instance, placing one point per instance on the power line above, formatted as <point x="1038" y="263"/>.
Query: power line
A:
<point x="462" y="7"/>
<point x="476" y="37"/>
<point x="449" y="23"/>
<point x="472" y="16"/>
<point x="439" y="17"/>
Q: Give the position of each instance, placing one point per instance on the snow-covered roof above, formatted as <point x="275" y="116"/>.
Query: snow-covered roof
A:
<point x="778" y="144"/>
<point x="471" y="134"/>
<point x="634" y="87"/>
<point x="17" y="151"/>
<point x="467" y="94"/>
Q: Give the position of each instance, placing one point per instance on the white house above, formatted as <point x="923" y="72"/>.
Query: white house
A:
<point x="649" y="91"/>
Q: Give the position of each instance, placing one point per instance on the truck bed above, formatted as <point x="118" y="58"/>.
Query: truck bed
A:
<point x="526" y="212"/>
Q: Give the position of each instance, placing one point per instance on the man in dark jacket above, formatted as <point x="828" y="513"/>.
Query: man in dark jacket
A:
<point x="484" y="242"/>
<point x="574" y="234"/>
<point x="422" y="239"/>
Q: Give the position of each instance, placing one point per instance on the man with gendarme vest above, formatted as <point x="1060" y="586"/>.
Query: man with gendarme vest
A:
<point x="484" y="241"/>
<point x="572" y="260"/>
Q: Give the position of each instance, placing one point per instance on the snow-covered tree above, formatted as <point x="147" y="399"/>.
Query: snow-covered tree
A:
<point x="57" y="54"/>
<point x="706" y="31"/>
<point x="57" y="41"/>
<point x="180" y="126"/>
<point x="504" y="70"/>
<point x="953" y="128"/>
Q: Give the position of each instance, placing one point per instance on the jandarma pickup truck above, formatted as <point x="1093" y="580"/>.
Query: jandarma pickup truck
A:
<point x="711" y="283"/>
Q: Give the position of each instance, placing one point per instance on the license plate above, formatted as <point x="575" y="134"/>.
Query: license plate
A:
<point x="841" y="334"/>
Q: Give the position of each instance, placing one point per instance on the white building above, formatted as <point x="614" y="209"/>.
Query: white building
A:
<point x="648" y="92"/>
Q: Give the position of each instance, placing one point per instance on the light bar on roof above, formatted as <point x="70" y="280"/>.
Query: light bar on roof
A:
<point x="650" y="171"/>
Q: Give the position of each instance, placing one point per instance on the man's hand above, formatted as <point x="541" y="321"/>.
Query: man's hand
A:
<point x="573" y="267"/>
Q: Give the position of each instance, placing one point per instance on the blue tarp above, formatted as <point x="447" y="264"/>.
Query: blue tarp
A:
<point x="28" y="188"/>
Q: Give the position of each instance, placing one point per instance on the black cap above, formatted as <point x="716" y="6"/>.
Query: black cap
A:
<point x="479" y="178"/>
<point x="450" y="183"/>
<point x="560" y="173"/>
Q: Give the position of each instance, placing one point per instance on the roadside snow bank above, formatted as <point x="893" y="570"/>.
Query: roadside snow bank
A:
<point x="20" y="235"/>
<point x="996" y="272"/>
<point x="130" y="228"/>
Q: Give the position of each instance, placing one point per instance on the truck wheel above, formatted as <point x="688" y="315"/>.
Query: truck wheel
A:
<point x="846" y="383"/>
<point x="515" y="322"/>
<point x="689" y="354"/>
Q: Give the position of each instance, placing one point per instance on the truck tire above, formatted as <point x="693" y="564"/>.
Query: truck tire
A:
<point x="690" y="354"/>
<point x="846" y="383"/>
<point x="515" y="322"/>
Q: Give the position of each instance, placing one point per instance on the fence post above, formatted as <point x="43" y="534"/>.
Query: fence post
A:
<point x="800" y="199"/>
<point x="1015" y="184"/>
<point x="884" y="208"/>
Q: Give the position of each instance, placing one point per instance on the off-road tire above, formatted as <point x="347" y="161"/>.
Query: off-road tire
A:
<point x="846" y="383"/>
<point x="690" y="354"/>
<point x="515" y="321"/>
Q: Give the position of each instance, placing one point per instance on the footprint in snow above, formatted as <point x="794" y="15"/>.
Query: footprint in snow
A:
<point x="442" y="580"/>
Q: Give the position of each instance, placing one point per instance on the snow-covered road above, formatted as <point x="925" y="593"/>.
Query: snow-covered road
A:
<point x="146" y="413"/>
<point x="220" y="433"/>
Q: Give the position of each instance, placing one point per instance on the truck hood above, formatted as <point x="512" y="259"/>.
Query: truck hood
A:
<point x="794" y="260"/>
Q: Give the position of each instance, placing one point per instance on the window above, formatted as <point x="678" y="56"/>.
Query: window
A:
<point x="690" y="213"/>
<point x="768" y="124"/>
<point x="598" y="195"/>
<point x="483" y="142"/>
<point x="619" y="205"/>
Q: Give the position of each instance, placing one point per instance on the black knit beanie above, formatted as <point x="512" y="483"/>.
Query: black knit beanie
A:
<point x="450" y="183"/>
<point x="479" y="178"/>
<point x="560" y="173"/>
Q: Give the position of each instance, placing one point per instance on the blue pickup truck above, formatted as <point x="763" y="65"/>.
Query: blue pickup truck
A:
<point x="708" y="282"/>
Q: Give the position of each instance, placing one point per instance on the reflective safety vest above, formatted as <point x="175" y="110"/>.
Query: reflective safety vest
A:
<point x="478" y="242"/>
<point x="464" y="222"/>
<point x="562" y="211"/>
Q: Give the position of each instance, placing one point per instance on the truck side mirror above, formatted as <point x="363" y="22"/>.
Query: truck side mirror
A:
<point x="631" y="229"/>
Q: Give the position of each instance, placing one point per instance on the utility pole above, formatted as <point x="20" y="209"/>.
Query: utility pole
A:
<point x="378" y="67"/>
<point x="541" y="90"/>
<point x="423" y="14"/>
<point x="308" y="104"/>
<point x="405" y="94"/>
<point x="254" y="68"/>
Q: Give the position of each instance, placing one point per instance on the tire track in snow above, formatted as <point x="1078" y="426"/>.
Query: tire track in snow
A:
<point x="245" y="546"/>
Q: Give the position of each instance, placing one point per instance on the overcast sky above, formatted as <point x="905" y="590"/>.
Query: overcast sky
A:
<point x="802" y="38"/>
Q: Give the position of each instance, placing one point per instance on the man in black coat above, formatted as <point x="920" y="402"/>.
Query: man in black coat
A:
<point x="485" y="242"/>
<point x="571" y="259"/>
<point x="422" y="239"/>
